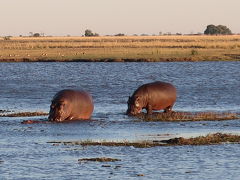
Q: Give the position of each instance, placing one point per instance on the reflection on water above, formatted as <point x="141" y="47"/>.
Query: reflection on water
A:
<point x="203" y="86"/>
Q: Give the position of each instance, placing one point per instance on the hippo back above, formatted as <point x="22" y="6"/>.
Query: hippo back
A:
<point x="160" y="94"/>
<point x="78" y="104"/>
<point x="152" y="96"/>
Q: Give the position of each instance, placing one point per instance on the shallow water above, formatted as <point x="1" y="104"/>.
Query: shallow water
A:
<point x="203" y="86"/>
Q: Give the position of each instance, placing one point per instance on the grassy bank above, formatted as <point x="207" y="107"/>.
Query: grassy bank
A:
<point x="188" y="116"/>
<point x="120" y="49"/>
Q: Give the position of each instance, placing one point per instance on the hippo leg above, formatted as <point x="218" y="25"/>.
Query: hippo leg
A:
<point x="168" y="109"/>
<point x="149" y="109"/>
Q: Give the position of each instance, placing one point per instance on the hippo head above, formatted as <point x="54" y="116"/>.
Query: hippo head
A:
<point x="134" y="105"/>
<point x="59" y="111"/>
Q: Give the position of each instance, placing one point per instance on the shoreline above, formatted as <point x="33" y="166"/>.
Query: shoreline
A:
<point x="187" y="59"/>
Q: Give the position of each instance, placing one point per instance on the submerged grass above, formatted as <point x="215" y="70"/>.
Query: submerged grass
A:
<point x="120" y="49"/>
<point x="101" y="159"/>
<point x="4" y="111"/>
<point x="210" y="139"/>
<point x="188" y="116"/>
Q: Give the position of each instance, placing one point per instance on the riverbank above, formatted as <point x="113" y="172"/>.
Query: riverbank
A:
<point x="120" y="49"/>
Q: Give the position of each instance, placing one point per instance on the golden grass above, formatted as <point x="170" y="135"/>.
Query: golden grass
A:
<point x="127" y="48"/>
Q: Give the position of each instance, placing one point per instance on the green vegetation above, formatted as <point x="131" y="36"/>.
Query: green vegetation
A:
<point x="121" y="49"/>
<point x="89" y="33"/>
<point x="217" y="30"/>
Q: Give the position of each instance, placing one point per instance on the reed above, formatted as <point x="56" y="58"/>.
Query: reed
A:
<point x="127" y="48"/>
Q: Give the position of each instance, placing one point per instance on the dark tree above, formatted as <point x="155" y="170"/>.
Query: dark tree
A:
<point x="119" y="34"/>
<point x="89" y="33"/>
<point x="36" y="35"/>
<point x="215" y="30"/>
<point x="224" y="29"/>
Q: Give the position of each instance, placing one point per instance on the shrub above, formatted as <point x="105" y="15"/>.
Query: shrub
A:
<point x="194" y="52"/>
<point x="89" y="33"/>
<point x="119" y="34"/>
<point x="6" y="38"/>
<point x="215" y="30"/>
<point x="36" y="35"/>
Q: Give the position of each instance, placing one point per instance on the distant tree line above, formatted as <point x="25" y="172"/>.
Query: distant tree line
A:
<point x="217" y="30"/>
<point x="210" y="30"/>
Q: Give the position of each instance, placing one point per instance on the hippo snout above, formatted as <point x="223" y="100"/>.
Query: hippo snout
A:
<point x="133" y="111"/>
<point x="54" y="117"/>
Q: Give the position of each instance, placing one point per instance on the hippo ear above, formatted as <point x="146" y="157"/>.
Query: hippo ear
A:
<point x="137" y="101"/>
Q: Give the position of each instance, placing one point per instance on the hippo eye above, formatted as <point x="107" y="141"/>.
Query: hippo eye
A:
<point x="61" y="105"/>
<point x="52" y="105"/>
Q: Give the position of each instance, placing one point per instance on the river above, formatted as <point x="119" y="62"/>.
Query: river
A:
<point x="202" y="86"/>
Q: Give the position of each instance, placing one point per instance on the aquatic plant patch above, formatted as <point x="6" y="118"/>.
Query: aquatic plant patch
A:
<point x="99" y="159"/>
<point x="210" y="139"/>
<point x="4" y="111"/>
<point x="23" y="114"/>
<point x="189" y="116"/>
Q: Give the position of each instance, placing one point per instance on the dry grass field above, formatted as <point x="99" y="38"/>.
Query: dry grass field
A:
<point x="120" y="49"/>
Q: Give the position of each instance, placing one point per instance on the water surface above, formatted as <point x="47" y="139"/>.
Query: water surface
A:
<point x="203" y="86"/>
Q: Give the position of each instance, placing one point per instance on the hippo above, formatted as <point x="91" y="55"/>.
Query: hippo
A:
<point x="71" y="104"/>
<point x="152" y="96"/>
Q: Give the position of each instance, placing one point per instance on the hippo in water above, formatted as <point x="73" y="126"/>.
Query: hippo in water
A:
<point x="71" y="104"/>
<point x="153" y="96"/>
